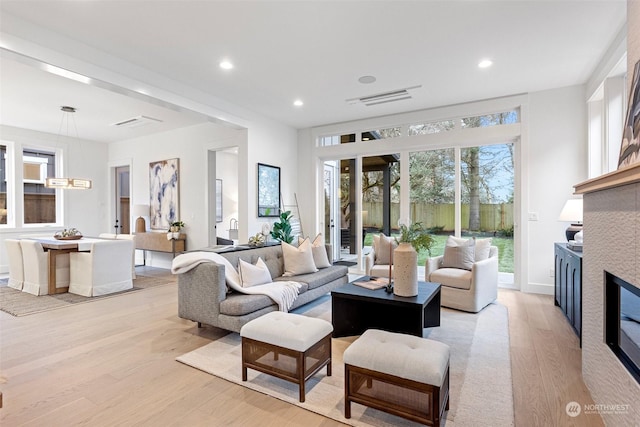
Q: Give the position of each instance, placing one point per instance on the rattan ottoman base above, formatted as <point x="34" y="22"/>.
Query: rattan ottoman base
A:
<point x="290" y="365"/>
<point x="423" y="403"/>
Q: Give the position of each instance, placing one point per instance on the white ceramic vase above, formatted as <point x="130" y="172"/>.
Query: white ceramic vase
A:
<point x="405" y="271"/>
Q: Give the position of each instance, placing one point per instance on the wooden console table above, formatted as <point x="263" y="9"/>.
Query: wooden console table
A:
<point x="158" y="242"/>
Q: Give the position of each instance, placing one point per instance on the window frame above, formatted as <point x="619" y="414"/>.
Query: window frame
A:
<point x="15" y="185"/>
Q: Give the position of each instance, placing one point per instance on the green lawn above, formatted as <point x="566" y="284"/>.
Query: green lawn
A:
<point x="504" y="244"/>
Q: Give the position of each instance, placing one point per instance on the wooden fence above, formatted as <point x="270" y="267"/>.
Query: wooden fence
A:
<point x="492" y="216"/>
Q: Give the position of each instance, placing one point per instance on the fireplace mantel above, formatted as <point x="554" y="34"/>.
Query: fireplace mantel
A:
<point x="623" y="176"/>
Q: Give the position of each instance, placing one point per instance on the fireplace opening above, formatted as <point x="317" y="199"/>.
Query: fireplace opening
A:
<point x="622" y="322"/>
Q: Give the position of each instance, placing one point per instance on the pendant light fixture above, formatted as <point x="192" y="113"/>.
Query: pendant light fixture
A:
<point x="68" y="183"/>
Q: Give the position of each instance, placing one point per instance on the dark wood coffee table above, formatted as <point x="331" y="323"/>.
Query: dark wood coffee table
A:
<point x="355" y="309"/>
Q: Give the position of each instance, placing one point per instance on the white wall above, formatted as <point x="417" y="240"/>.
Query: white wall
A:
<point x="557" y="160"/>
<point x="82" y="209"/>
<point x="276" y="145"/>
<point x="265" y="142"/>
<point x="190" y="145"/>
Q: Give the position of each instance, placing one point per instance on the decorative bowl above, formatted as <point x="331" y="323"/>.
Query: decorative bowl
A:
<point x="76" y="237"/>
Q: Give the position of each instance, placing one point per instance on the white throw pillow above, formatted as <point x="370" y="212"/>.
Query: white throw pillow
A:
<point x="385" y="246"/>
<point x="298" y="260"/>
<point x="461" y="255"/>
<point x="376" y="243"/>
<point x="483" y="248"/>
<point x="319" y="252"/>
<point x="252" y="275"/>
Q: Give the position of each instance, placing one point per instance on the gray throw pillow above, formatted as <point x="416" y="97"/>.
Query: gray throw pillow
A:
<point x="459" y="256"/>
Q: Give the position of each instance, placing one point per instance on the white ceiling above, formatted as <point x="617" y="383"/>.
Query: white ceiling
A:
<point x="31" y="99"/>
<point x="315" y="51"/>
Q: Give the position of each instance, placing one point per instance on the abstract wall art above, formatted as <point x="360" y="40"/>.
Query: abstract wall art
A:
<point x="164" y="193"/>
<point x="268" y="191"/>
<point x="630" y="147"/>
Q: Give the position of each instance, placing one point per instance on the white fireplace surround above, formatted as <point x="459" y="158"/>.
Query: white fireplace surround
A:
<point x="611" y="243"/>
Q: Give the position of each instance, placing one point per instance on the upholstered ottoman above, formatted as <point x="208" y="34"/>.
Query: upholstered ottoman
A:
<point x="288" y="346"/>
<point x="400" y="374"/>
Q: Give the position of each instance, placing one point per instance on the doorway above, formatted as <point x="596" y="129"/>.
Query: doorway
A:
<point x="122" y="202"/>
<point x="222" y="194"/>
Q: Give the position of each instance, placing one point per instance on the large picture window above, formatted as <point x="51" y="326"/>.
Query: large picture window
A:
<point x="39" y="202"/>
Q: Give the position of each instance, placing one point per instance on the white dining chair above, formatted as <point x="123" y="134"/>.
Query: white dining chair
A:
<point x="133" y="249"/>
<point x="131" y="237"/>
<point x="36" y="270"/>
<point x="105" y="269"/>
<point x="16" y="265"/>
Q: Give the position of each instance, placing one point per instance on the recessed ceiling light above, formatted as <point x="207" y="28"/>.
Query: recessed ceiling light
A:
<point x="226" y="65"/>
<point x="485" y="63"/>
<point x="298" y="103"/>
<point x="367" y="79"/>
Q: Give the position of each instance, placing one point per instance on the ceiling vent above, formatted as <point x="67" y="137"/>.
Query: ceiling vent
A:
<point x="383" y="98"/>
<point x="136" y="122"/>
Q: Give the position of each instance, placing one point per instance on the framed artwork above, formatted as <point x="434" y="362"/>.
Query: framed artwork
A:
<point x="164" y="179"/>
<point x="630" y="147"/>
<point x="218" y="200"/>
<point x="268" y="190"/>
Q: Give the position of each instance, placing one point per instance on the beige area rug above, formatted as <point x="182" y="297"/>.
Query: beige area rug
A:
<point x="18" y="303"/>
<point x="480" y="371"/>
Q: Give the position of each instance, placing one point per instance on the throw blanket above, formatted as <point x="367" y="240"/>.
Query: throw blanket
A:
<point x="283" y="293"/>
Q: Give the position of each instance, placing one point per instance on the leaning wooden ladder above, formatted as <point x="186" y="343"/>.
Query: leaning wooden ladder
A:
<point x="296" y="222"/>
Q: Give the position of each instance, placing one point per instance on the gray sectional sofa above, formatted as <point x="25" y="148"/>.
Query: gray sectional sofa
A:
<point x="203" y="296"/>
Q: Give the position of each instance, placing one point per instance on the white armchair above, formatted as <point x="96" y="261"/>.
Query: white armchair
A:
<point x="467" y="290"/>
<point x="16" y="265"/>
<point x="373" y="269"/>
<point x="36" y="273"/>
<point x="104" y="270"/>
<point x="377" y="265"/>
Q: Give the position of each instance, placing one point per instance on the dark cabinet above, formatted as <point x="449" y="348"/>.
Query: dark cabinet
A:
<point x="568" y="285"/>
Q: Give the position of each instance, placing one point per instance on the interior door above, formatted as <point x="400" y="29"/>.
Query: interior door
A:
<point x="122" y="223"/>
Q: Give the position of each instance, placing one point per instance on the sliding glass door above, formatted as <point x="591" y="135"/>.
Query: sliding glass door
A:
<point x="487" y="195"/>
<point x="432" y="194"/>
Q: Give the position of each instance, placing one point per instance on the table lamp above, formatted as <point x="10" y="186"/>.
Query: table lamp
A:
<point x="141" y="211"/>
<point x="572" y="212"/>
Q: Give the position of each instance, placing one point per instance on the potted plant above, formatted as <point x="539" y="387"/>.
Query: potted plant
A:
<point x="413" y="239"/>
<point x="417" y="236"/>
<point x="258" y="240"/>
<point x="174" y="229"/>
<point x="282" y="230"/>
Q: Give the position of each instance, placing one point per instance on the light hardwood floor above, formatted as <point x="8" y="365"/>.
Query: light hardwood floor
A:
<point x="112" y="362"/>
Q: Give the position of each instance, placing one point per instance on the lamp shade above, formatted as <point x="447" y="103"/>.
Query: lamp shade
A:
<point x="572" y="211"/>
<point x="140" y="210"/>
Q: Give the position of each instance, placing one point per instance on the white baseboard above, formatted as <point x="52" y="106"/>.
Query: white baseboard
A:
<point x="539" y="288"/>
